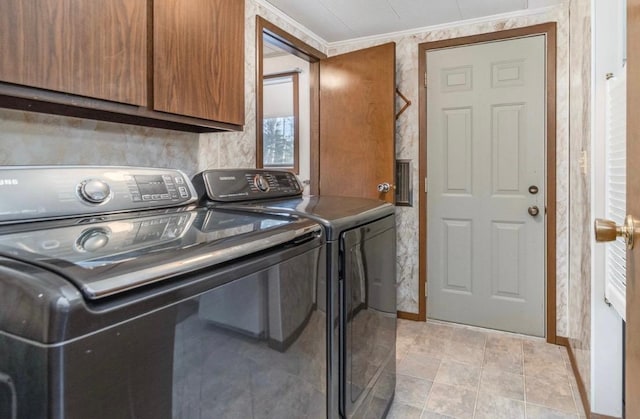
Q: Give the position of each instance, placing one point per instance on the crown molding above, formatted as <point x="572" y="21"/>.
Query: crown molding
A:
<point x="448" y="25"/>
<point x="294" y="23"/>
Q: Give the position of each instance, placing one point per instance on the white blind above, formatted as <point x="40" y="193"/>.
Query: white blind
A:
<point x="616" y="184"/>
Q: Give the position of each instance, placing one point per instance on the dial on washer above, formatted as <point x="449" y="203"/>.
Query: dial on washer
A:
<point x="92" y="240"/>
<point x="94" y="191"/>
<point x="261" y="183"/>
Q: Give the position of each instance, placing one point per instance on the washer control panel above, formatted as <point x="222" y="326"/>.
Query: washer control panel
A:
<point x="45" y="192"/>
<point x="233" y="185"/>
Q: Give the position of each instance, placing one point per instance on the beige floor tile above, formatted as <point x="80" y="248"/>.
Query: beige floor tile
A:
<point x="543" y="365"/>
<point x="468" y="337"/>
<point x="447" y="354"/>
<point x="490" y="406"/>
<point x="434" y="330"/>
<point x="432" y="415"/>
<point x="542" y="349"/>
<point x="404" y="411"/>
<point x="451" y="401"/>
<point x="541" y="412"/>
<point x="553" y="391"/>
<point x="501" y="383"/>
<point x="400" y="353"/>
<point x="458" y="374"/>
<point x="576" y="396"/>
<point x="567" y="360"/>
<point x="409" y="327"/>
<point x="503" y="361"/>
<point x="430" y="345"/>
<point x="403" y="343"/>
<point x="504" y="343"/>
<point x="419" y="364"/>
<point x="412" y="391"/>
<point x="466" y="354"/>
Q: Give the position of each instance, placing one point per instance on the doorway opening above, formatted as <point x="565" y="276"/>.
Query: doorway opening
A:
<point x="287" y="105"/>
<point x="502" y="119"/>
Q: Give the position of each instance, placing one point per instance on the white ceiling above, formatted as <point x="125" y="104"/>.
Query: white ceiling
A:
<point x="339" y="20"/>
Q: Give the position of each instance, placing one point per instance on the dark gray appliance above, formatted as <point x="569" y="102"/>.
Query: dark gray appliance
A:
<point x="360" y="282"/>
<point x="120" y="298"/>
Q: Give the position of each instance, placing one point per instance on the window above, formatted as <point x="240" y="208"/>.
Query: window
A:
<point x="280" y="121"/>
<point x="278" y="142"/>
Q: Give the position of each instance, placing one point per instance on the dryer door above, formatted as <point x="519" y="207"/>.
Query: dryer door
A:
<point x="368" y="318"/>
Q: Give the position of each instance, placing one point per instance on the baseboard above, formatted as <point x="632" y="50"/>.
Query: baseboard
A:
<point x="562" y="341"/>
<point x="409" y="316"/>
<point x="597" y="416"/>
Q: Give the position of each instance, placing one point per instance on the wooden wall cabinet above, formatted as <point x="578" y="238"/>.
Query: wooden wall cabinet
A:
<point x="198" y="58"/>
<point x="89" y="48"/>
<point x="175" y="64"/>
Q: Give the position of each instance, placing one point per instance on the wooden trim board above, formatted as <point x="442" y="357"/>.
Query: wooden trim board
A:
<point x="409" y="316"/>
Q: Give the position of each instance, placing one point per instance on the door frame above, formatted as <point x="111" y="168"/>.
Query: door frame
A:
<point x="549" y="30"/>
<point x="632" y="354"/>
<point x="302" y="50"/>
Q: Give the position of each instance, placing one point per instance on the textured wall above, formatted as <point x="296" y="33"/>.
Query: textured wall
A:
<point x="579" y="331"/>
<point x="407" y="143"/>
<point x="30" y="138"/>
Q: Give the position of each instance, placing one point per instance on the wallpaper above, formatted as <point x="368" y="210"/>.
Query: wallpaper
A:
<point x="407" y="143"/>
<point x="29" y="138"/>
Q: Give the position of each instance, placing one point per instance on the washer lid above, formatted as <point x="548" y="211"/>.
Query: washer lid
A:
<point x="105" y="256"/>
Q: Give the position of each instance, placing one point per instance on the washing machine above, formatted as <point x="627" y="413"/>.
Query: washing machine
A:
<point x="120" y="297"/>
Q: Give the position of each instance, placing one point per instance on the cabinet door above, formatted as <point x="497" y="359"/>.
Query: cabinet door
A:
<point x="96" y="49"/>
<point x="199" y="58"/>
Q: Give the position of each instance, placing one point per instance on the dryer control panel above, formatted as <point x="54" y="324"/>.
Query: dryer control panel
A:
<point x="234" y="185"/>
<point x="46" y="192"/>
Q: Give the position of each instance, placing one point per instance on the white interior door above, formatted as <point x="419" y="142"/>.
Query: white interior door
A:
<point x="485" y="155"/>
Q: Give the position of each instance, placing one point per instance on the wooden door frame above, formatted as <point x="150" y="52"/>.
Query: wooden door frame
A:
<point x="549" y="30"/>
<point x="302" y="50"/>
<point x="632" y="354"/>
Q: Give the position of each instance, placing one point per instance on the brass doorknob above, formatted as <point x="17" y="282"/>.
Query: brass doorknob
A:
<point x="607" y="230"/>
<point x="533" y="211"/>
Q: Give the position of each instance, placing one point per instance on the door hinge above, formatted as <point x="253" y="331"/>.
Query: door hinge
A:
<point x="425" y="79"/>
<point x="426" y="185"/>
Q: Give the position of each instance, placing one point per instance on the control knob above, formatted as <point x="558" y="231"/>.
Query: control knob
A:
<point x="92" y="240"/>
<point x="261" y="183"/>
<point x="94" y="191"/>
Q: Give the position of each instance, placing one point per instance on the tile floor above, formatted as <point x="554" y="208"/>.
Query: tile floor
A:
<point x="451" y="371"/>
